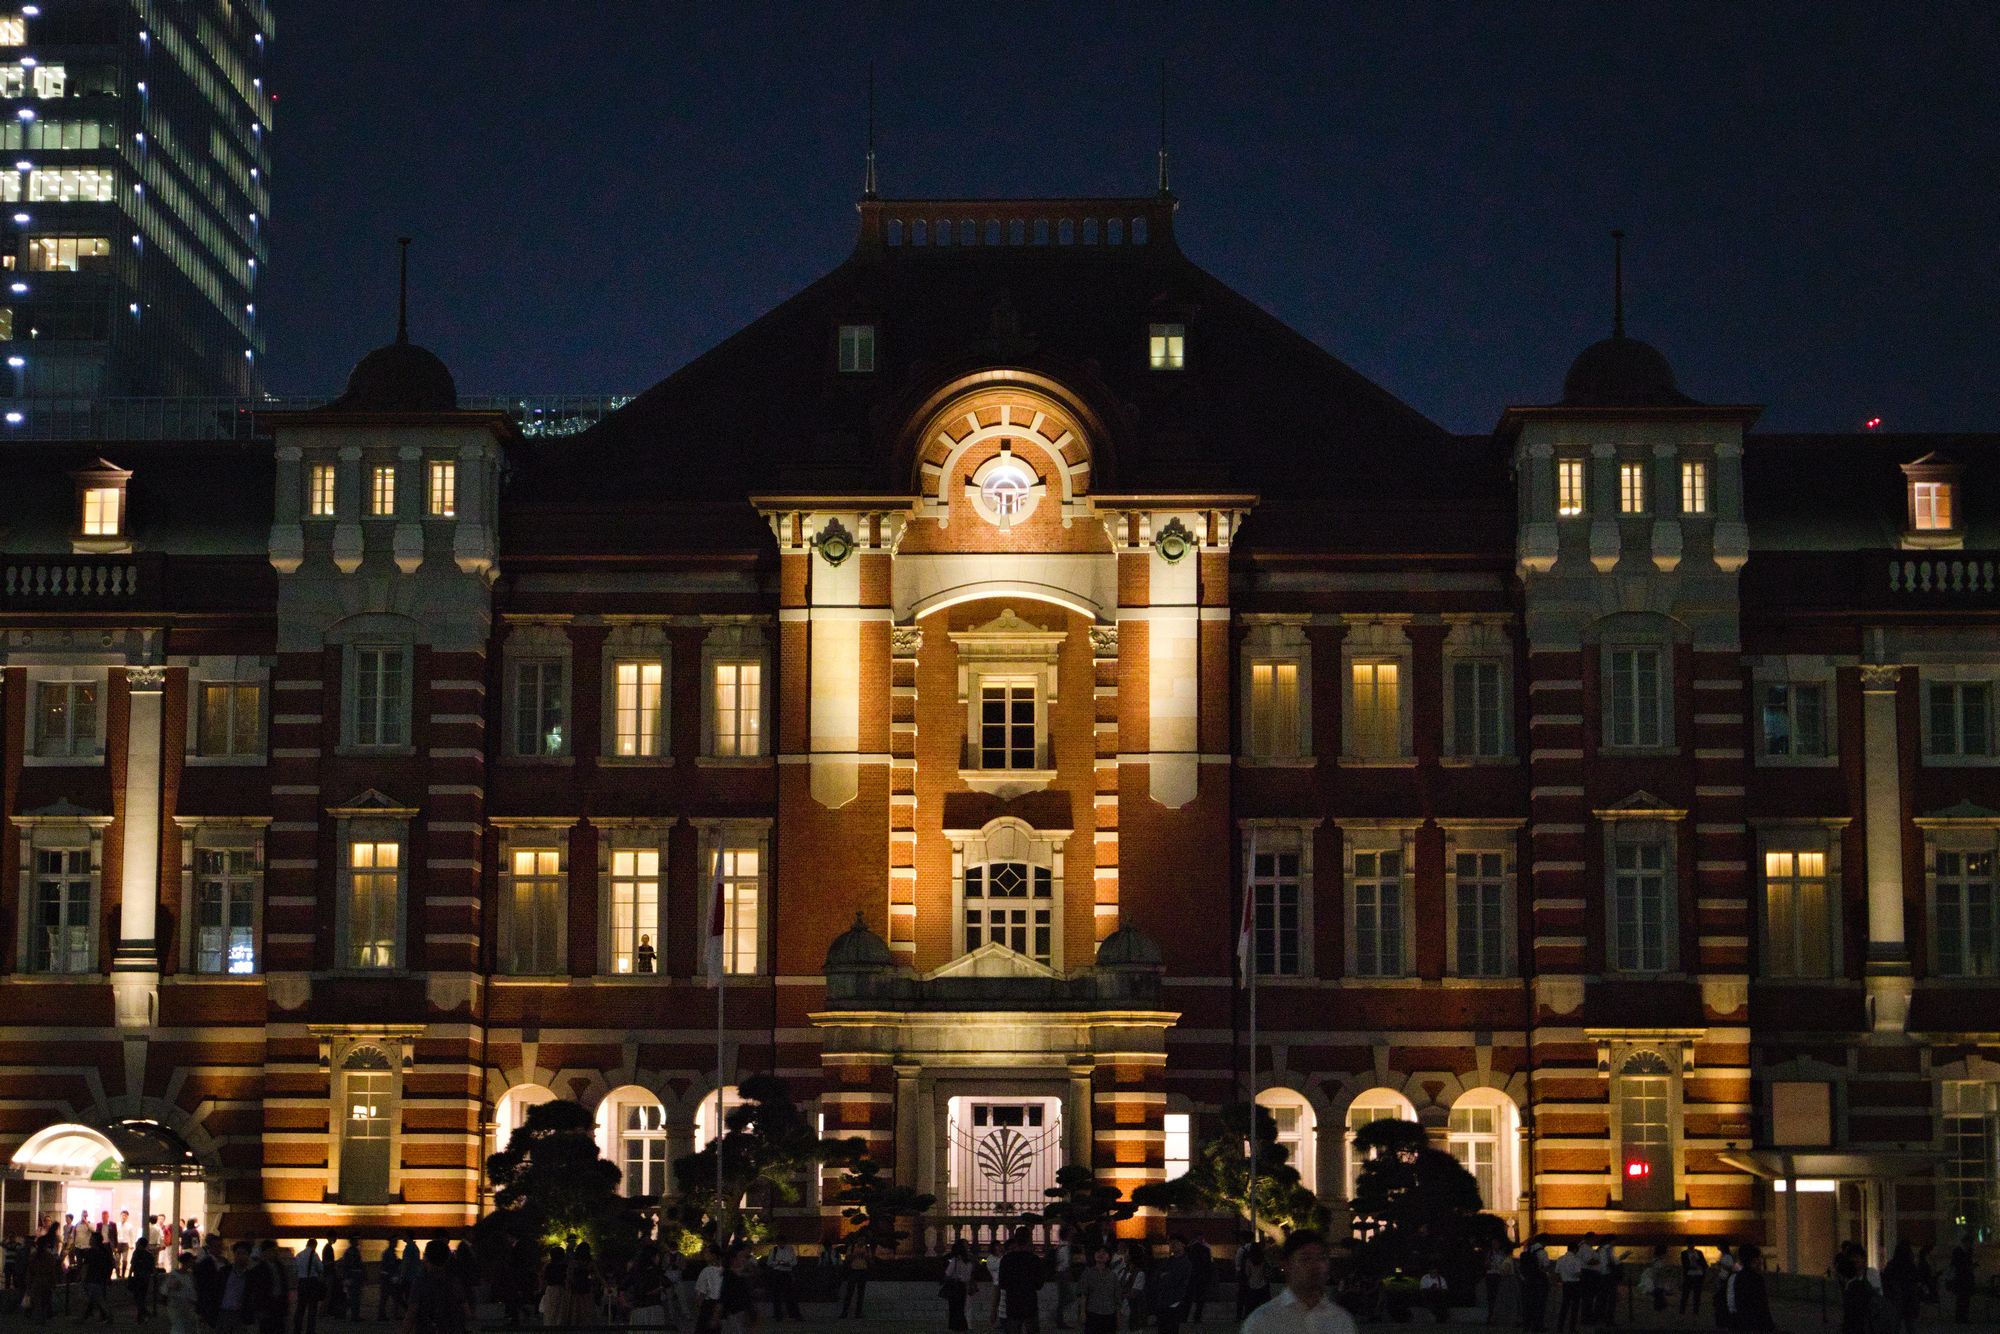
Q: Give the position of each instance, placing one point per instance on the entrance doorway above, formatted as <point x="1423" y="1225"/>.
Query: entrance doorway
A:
<point x="1004" y="1154"/>
<point x="130" y="1171"/>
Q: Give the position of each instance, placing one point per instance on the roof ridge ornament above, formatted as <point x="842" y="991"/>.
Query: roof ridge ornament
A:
<point x="403" y="290"/>
<point x="1165" y="189"/>
<point x="868" y="169"/>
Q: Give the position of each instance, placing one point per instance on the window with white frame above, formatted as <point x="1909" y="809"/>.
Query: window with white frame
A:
<point x="743" y="892"/>
<point x="1012" y="904"/>
<point x="1965" y="912"/>
<point x="1479" y="912"/>
<point x="373" y="902"/>
<point x="1166" y="346"/>
<point x="1278" y="892"/>
<point x="229" y="719"/>
<point x="1794" y="719"/>
<point x="1179" y="1156"/>
<point x="1635" y="712"/>
<point x="1694" y="487"/>
<point x="1478" y="708"/>
<point x="1631" y="488"/>
<point x="441" y="491"/>
<point x="532" y="906"/>
<point x="711" y="1115"/>
<point x="633" y="889"/>
<point x="1482" y="1133"/>
<point x="228" y="881"/>
<point x="321" y="479"/>
<point x="633" y="1126"/>
<point x="382" y="491"/>
<point x="1798" y="913"/>
<point x="1644" y="1093"/>
<point x="1277" y="673"/>
<point x="1007" y="679"/>
<point x="1932" y="507"/>
<point x="69" y="719"/>
<point x="1969" y="1175"/>
<point x="1642" y="886"/>
<point x="541" y="707"/>
<point x="1297" y="1130"/>
<point x="636" y="696"/>
<point x="857" y="348"/>
<point x="367" y="1126"/>
<point x="1958" y="719"/>
<point x="1571" y="491"/>
<point x="62" y="926"/>
<point x="379" y="708"/>
<point x="1375" y="709"/>
<point x="1377" y="904"/>
<point x="1008" y="735"/>
<point x="103" y="511"/>
<point x="1368" y="1107"/>
<point x="738" y="703"/>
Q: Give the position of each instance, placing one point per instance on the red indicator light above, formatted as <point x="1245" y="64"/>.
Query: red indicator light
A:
<point x="1638" y="1169"/>
<point x="1874" y="424"/>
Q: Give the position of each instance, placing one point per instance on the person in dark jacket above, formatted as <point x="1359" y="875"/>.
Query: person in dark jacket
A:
<point x="1743" y="1301"/>
<point x="1201" y="1278"/>
<point x="98" y="1260"/>
<point x="1902" y="1284"/>
<point x="211" y="1271"/>
<point x="1168" y="1289"/>
<point x="1962" y="1282"/>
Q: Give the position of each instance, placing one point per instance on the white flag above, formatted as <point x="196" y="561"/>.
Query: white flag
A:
<point x="713" y="958"/>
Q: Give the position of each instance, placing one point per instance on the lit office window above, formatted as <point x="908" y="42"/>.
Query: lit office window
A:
<point x="1694" y="487"/>
<point x="1569" y="487"/>
<point x="442" y="492"/>
<point x="103" y="511"/>
<point x="1166" y="346"/>
<point x="1631" y="488"/>
<point x="319" y="491"/>
<point x="382" y="490"/>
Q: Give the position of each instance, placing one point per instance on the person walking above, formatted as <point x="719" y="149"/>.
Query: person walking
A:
<point x="1201" y="1278"/>
<point x="1499" y="1263"/>
<point x="177" y="1296"/>
<point x="1017" y="1293"/>
<point x="1569" y="1273"/>
<point x="1102" y="1289"/>
<point x="957" y="1285"/>
<point x="1254" y="1280"/>
<point x="1743" y="1303"/>
<point x="708" y="1293"/>
<point x="854" y="1275"/>
<point x="435" y="1301"/>
<point x="737" y="1305"/>
<point x="1902" y="1284"/>
<point x="97" y="1265"/>
<point x="1305" y="1306"/>
<point x="1694" y="1276"/>
<point x="1062" y="1264"/>
<point x="44" y="1272"/>
<point x="276" y="1262"/>
<point x="309" y="1277"/>
<point x="1532" y="1270"/>
<point x="141" y="1272"/>
<point x="1962" y="1281"/>
<point x="246" y="1291"/>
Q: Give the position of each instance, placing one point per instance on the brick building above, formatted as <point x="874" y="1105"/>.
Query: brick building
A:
<point x="1617" y="791"/>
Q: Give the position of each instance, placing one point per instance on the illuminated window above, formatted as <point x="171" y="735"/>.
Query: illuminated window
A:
<point x="1274" y="709"/>
<point x="739" y="712"/>
<point x="531" y="930"/>
<point x="1376" y="893"/>
<point x="541" y="704"/>
<point x="1375" y="727"/>
<point x="635" y="910"/>
<point x="1006" y="487"/>
<point x="13" y="30"/>
<point x="1798" y="922"/>
<point x="1166" y="346"/>
<point x="1794" y="719"/>
<point x="1277" y="887"/>
<point x="1969" y="1176"/>
<point x="319" y="491"/>
<point x="1010" y="904"/>
<point x="67" y="719"/>
<point x="1635" y="701"/>
<point x="374" y="902"/>
<point x="1694" y="487"/>
<point x="1007" y="733"/>
<point x="225" y="910"/>
<point x="65" y="185"/>
<point x="1966" y="913"/>
<point x="1477" y="715"/>
<point x="1931" y="507"/>
<point x="229" y="719"/>
<point x="6" y="324"/>
<point x="67" y="254"/>
<point x="1180" y="1145"/>
<point x="442" y="492"/>
<point x="367" y="1126"/>
<point x="857" y="348"/>
<point x="637" y="702"/>
<point x="711" y="1116"/>
<point x="1959" y="717"/>
<point x="62" y="935"/>
<point x="51" y="80"/>
<point x="634" y="1127"/>
<point x="382" y="491"/>
<point x="742" y="908"/>
<point x="381" y="696"/>
<point x="1639" y="905"/>
<point x="103" y="511"/>
<point x="1297" y="1130"/>
<point x="1644" y="1093"/>
<point x="1631" y="488"/>
<point x="1368" y="1107"/>
<point x="1569" y="487"/>
<point x="1474" y="1139"/>
<point x="1479" y="913"/>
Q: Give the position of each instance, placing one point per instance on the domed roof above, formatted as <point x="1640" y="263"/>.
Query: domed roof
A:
<point x="399" y="377"/>
<point x="858" y="949"/>
<point x="1128" y="947"/>
<point x="1621" y="372"/>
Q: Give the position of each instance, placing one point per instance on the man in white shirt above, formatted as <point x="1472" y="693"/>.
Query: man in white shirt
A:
<point x="1569" y="1273"/>
<point x="1305" y="1306"/>
<point x="779" y="1267"/>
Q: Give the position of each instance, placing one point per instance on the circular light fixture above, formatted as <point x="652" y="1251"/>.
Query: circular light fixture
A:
<point x="834" y="542"/>
<point x="1174" y="542"/>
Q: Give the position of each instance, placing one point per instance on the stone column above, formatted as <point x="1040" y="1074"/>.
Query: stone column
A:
<point x="1080" y="1144"/>
<point x="135" y="967"/>
<point x="1888" y="965"/>
<point x="908" y="1166"/>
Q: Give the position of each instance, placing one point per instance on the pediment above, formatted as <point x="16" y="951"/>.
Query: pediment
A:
<point x="372" y="801"/>
<point x="994" y="960"/>
<point x="1963" y="813"/>
<point x="1640" y="805"/>
<point x="1009" y="631"/>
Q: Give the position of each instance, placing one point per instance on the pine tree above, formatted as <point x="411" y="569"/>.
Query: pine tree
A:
<point x="1218" y="1177"/>
<point x="551" y="1187"/>
<point x="766" y="1142"/>
<point x="1416" y="1206"/>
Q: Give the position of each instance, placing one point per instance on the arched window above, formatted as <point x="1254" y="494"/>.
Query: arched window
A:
<point x="1139" y="231"/>
<point x="1090" y="231"/>
<point x="993" y="231"/>
<point x="895" y="232"/>
<point x="1485" y="1136"/>
<point x="943" y="231"/>
<point x="1645" y="1131"/>
<point x="1041" y="231"/>
<point x="632" y="1132"/>
<point x="511" y="1112"/>
<point x="706" y="1119"/>
<point x="367" y="1126"/>
<point x="1372" y="1105"/>
<point x="920" y="232"/>
<point x="1017" y="231"/>
<point x="1114" y="231"/>
<point x="1066" y="232"/>
<point x="1298" y="1131"/>
<point x="968" y="232"/>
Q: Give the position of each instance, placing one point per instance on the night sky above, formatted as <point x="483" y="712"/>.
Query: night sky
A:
<point x="601" y="190"/>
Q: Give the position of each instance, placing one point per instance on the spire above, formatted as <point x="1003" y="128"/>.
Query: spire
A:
<point x="1164" y="188"/>
<point x="403" y="293"/>
<point x="1617" y="284"/>
<point x="868" y="173"/>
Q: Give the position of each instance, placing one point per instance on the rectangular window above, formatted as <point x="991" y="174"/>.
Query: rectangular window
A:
<point x="225" y="907"/>
<point x="1278" y="918"/>
<point x="1476" y="709"/>
<point x="739" y="709"/>
<point x="1378" y="914"/>
<point x="1274" y="710"/>
<point x="381" y="697"/>
<point x="857" y="348"/>
<point x="1798" y="923"/>
<point x="1969" y="1176"/>
<point x="1569" y="487"/>
<point x="319" y="491"/>
<point x="1639" y="907"/>
<point x="1637" y="702"/>
<point x="636" y="689"/>
<point x="1007" y="725"/>
<point x="1011" y="904"/>
<point x="1166" y="346"/>
<point x="1473" y="1135"/>
<point x="230" y="718"/>
<point x="742" y="904"/>
<point x="1480" y="889"/>
<point x="540" y="701"/>
<point x="635" y="910"/>
<point x="66" y="719"/>
<point x="103" y="511"/>
<point x="1631" y="488"/>
<point x="1377" y="726"/>
<point x="72" y="185"/>
<point x="1931" y="508"/>
<point x="13" y="31"/>
<point x="374" y="902"/>
<point x="1694" y="487"/>
<point x="382" y="491"/>
<point x="62" y="937"/>
<point x="1960" y="718"/>
<point x="643" y="1149"/>
<point x="67" y="254"/>
<point x="441" y="495"/>
<point x="1967" y="928"/>
<point x="51" y="80"/>
<point x="1180" y="1144"/>
<point x="1795" y="720"/>
<point x="534" y="911"/>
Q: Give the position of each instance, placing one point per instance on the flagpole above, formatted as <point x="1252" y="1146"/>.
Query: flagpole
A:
<point x="717" y="972"/>
<point x="1250" y="976"/>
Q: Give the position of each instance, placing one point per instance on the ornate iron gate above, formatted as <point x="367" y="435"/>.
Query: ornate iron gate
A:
<point x="1004" y="1156"/>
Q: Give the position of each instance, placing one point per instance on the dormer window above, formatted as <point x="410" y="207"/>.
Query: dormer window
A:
<point x="857" y="349"/>
<point x="1166" y="346"/>
<point x="100" y="508"/>
<point x="1933" y="509"/>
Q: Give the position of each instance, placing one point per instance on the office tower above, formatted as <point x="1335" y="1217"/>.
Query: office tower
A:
<point x="135" y="183"/>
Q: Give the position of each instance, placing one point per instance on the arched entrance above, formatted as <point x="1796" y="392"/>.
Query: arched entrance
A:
<point x="134" y="1169"/>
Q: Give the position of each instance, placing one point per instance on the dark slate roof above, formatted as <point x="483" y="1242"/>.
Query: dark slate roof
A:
<point x="1835" y="493"/>
<point x="1338" y="461"/>
<point x="398" y="377"/>
<point x="185" y="497"/>
<point x="1621" y="372"/>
